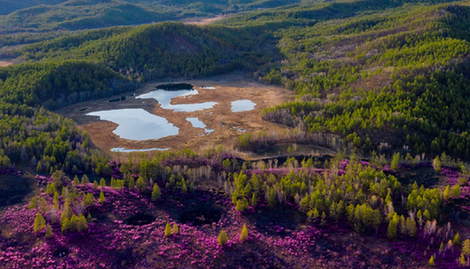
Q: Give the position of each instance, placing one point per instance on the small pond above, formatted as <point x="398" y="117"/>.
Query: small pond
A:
<point x="137" y="124"/>
<point x="199" y="124"/>
<point x="136" y="150"/>
<point x="164" y="98"/>
<point x="242" y="105"/>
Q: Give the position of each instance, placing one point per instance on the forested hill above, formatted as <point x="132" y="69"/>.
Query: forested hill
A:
<point x="377" y="74"/>
<point x="47" y="15"/>
<point x="162" y="50"/>
<point x="384" y="81"/>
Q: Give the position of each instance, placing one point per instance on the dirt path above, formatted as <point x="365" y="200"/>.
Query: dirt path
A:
<point x="227" y="125"/>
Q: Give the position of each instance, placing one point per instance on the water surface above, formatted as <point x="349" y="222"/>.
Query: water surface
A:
<point x="136" y="150"/>
<point x="137" y="124"/>
<point x="164" y="98"/>
<point x="199" y="124"/>
<point x="242" y="105"/>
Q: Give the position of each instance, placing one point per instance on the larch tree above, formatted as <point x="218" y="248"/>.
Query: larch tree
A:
<point x="39" y="223"/>
<point x="156" y="194"/>
<point x="222" y="239"/>
<point x="244" y="234"/>
<point x="168" y="229"/>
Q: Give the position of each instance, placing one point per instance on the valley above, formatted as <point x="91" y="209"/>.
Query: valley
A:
<point x="224" y="124"/>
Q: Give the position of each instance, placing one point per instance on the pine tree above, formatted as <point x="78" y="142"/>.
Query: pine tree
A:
<point x="447" y="192"/>
<point x="39" y="223"/>
<point x="141" y="184"/>
<point x="395" y="161"/>
<point x="466" y="247"/>
<point x="456" y="240"/>
<point x="82" y="223"/>
<point x="272" y="198"/>
<point x="184" y="188"/>
<point x="73" y="224"/>
<point x="323" y="219"/>
<point x="242" y="205"/>
<point x="95" y="184"/>
<point x="254" y="200"/>
<point x="462" y="260"/>
<point x="175" y="228"/>
<point x="168" y="229"/>
<point x="76" y="181"/>
<point x="102" y="182"/>
<point x="388" y="199"/>
<point x="48" y="230"/>
<point x="50" y="189"/>
<point x="89" y="219"/>
<point x="85" y="179"/>
<point x="65" y="223"/>
<point x="402" y="225"/>
<point x="436" y="163"/>
<point x="55" y="200"/>
<point x="39" y="168"/>
<point x="156" y="194"/>
<point x="131" y="183"/>
<point x="411" y="227"/>
<point x="223" y="238"/>
<point x="431" y="261"/>
<point x="456" y="191"/>
<point x="392" y="226"/>
<point x="102" y="198"/>
<point x="244" y="234"/>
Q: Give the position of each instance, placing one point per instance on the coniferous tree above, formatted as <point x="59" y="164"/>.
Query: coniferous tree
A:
<point x="131" y="183"/>
<point x="102" y="198"/>
<point x="48" y="231"/>
<point x="272" y="198"/>
<point x="156" y="194"/>
<point x="85" y="179"/>
<point x="244" y="234"/>
<point x="456" y="191"/>
<point x="73" y="223"/>
<point x="168" y="229"/>
<point x="184" y="188"/>
<point x="65" y="223"/>
<point x="222" y="239"/>
<point x="141" y="184"/>
<point x="39" y="223"/>
<point x="431" y="261"/>
<point x="466" y="247"/>
<point x="82" y="223"/>
<point x="462" y="260"/>
<point x="411" y="227"/>
<point x="76" y="181"/>
<point x="395" y="161"/>
<point x="102" y="182"/>
<point x="242" y="205"/>
<point x="392" y="226"/>
<point x="89" y="219"/>
<point x="254" y="200"/>
<point x="447" y="192"/>
<point x="175" y="228"/>
<point x="456" y="240"/>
